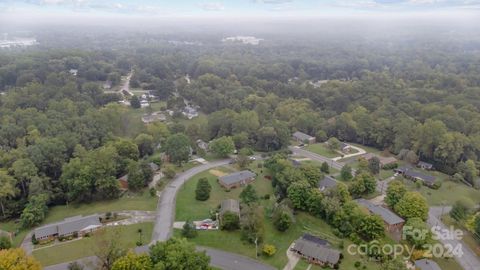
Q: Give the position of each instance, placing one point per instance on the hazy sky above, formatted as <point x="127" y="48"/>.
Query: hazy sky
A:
<point x="211" y="8"/>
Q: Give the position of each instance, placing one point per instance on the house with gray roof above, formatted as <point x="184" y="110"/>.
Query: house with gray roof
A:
<point x="425" y="264"/>
<point x="409" y="173"/>
<point x="326" y="183"/>
<point x="236" y="179"/>
<point x="425" y="165"/>
<point x="303" y="138"/>
<point x="75" y="225"/>
<point x="393" y="223"/>
<point x="316" y="250"/>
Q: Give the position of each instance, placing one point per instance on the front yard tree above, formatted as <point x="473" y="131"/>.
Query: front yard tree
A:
<point x="178" y="253"/>
<point x="346" y="173"/>
<point x="189" y="230"/>
<point x="107" y="248"/>
<point x="230" y="221"/>
<point x="5" y="242"/>
<point x="412" y="205"/>
<point x="395" y="191"/>
<point x="248" y="195"/>
<point x="325" y="168"/>
<point x="136" y="179"/>
<point x="178" y="148"/>
<point x="252" y="224"/>
<point x="243" y="159"/>
<point x="374" y="165"/>
<point x="17" y="259"/>
<point x="169" y="171"/>
<point x="135" y="102"/>
<point x="202" y="192"/>
<point x="363" y="184"/>
<point x="371" y="227"/>
<point x="222" y="146"/>
<point x="282" y="218"/>
<point x="333" y="144"/>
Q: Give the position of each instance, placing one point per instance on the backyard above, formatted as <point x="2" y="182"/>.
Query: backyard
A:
<point x="86" y="246"/>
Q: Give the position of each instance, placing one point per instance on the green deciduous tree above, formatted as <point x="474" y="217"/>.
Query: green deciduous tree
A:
<point x="222" y="146"/>
<point x="7" y="189"/>
<point x="371" y="227"/>
<point x="462" y="208"/>
<point x="346" y="173"/>
<point x="230" y="221"/>
<point x="325" y="168"/>
<point x="412" y="205"/>
<point x="189" y="230"/>
<point x="177" y="254"/>
<point x="248" y="195"/>
<point x="202" y="192"/>
<point x="298" y="193"/>
<point x="178" y="148"/>
<point x="395" y="191"/>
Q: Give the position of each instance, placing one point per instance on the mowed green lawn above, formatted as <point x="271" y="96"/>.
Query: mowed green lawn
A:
<point x="321" y="149"/>
<point x="447" y="194"/>
<point x="187" y="207"/>
<point x="85" y="247"/>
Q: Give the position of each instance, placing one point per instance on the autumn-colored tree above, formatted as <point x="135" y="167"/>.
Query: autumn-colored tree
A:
<point x="17" y="259"/>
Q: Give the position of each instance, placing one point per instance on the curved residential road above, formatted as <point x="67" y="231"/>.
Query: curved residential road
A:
<point x="468" y="260"/>
<point x="166" y="204"/>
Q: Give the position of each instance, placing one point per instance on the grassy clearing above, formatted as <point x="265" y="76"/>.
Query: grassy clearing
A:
<point x="85" y="247"/>
<point x="189" y="208"/>
<point x="321" y="149"/>
<point x="447" y="194"/>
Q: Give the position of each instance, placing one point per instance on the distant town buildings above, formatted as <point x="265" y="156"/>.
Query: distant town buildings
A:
<point x="247" y="40"/>
<point x="6" y="43"/>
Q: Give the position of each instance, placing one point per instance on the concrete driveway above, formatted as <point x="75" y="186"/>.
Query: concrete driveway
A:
<point x="166" y="204"/>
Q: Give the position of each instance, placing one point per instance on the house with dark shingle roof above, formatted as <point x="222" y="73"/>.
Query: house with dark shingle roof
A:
<point x="236" y="179"/>
<point x="410" y="173"/>
<point x="393" y="223"/>
<point x="316" y="250"/>
<point x="303" y="138"/>
<point x="75" y="225"/>
<point x="425" y="264"/>
<point x="326" y="183"/>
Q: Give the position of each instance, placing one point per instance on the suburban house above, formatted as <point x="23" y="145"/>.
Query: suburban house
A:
<point x="425" y="165"/>
<point x="74" y="225"/>
<point x="316" y="250"/>
<point x="409" y="173"/>
<point x="393" y="223"/>
<point x="383" y="160"/>
<point x="236" y="179"/>
<point x="326" y="183"/>
<point x="229" y="205"/>
<point x="425" y="264"/>
<point x="123" y="182"/>
<point x="153" y="117"/>
<point x="202" y="145"/>
<point x="303" y="138"/>
<point x="345" y="148"/>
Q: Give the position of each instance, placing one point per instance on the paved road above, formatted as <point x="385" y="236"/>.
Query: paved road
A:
<point x="231" y="261"/>
<point x="469" y="260"/>
<point x="166" y="204"/>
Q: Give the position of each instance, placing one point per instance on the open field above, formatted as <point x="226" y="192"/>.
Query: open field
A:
<point x="86" y="246"/>
<point x="447" y="194"/>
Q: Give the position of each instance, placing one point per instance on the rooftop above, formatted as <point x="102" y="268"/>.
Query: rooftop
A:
<point x="68" y="226"/>
<point x="425" y="264"/>
<point x="386" y="214"/>
<point x="319" y="251"/>
<point x="327" y="182"/>
<point x="230" y="205"/>
<point x="410" y="172"/>
<point x="236" y="177"/>
<point x="302" y="136"/>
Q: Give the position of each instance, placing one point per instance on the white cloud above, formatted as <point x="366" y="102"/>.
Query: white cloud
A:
<point x="212" y="6"/>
